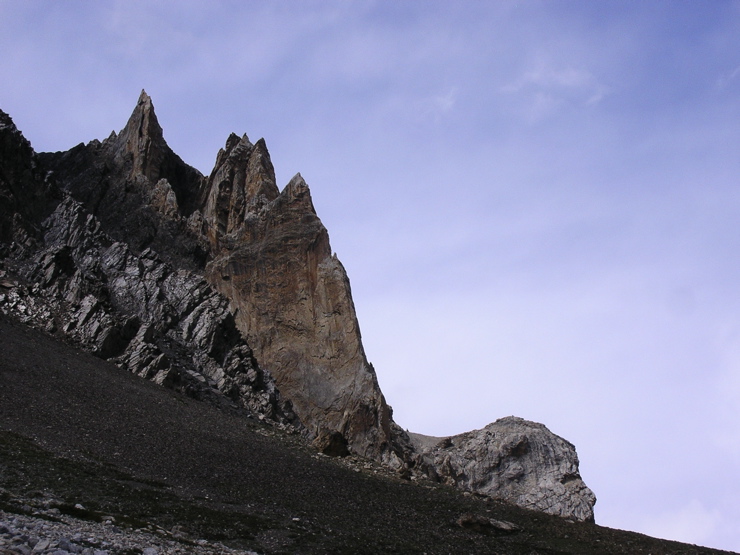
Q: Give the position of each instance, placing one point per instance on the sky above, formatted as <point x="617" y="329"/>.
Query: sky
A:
<point x="536" y="201"/>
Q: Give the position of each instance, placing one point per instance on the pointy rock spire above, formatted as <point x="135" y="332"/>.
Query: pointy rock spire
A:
<point x="242" y="182"/>
<point x="142" y="140"/>
<point x="141" y="151"/>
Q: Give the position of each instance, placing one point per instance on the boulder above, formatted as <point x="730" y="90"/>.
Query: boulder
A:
<point x="512" y="459"/>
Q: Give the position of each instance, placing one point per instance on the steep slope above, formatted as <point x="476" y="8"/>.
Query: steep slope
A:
<point x="226" y="288"/>
<point x="75" y="430"/>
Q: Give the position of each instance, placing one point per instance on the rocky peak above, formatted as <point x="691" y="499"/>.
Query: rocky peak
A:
<point x="137" y="187"/>
<point x="297" y="188"/>
<point x="141" y="151"/>
<point x="16" y="155"/>
<point x="295" y="306"/>
<point x="261" y="174"/>
<point x="8" y="126"/>
<point x="143" y="140"/>
<point x="241" y="183"/>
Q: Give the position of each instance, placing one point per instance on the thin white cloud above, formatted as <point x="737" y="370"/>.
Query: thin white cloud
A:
<point x="545" y="76"/>
<point x="443" y="103"/>
<point x="543" y="89"/>
<point x="728" y="78"/>
<point x="434" y="108"/>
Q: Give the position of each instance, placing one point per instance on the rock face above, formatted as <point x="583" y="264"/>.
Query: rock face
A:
<point x="265" y="250"/>
<point x="162" y="324"/>
<point x="226" y="288"/>
<point x="25" y="193"/>
<point x="272" y="258"/>
<point x="513" y="459"/>
<point x="142" y="193"/>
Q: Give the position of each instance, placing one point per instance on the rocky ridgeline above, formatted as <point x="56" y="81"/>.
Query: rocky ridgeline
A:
<point x="226" y="288"/>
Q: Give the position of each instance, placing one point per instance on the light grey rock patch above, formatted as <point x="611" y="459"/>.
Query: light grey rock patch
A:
<point x="515" y="460"/>
<point x="27" y="535"/>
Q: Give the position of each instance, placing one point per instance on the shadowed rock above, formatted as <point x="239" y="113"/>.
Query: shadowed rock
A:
<point x="162" y="324"/>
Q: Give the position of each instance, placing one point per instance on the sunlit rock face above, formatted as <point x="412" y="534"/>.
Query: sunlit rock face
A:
<point x="271" y="256"/>
<point x="226" y="288"/>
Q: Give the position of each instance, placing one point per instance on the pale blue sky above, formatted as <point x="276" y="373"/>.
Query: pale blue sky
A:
<point x="536" y="202"/>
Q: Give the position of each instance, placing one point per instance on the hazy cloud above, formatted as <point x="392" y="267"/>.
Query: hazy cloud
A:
<point x="728" y="78"/>
<point x="544" y="89"/>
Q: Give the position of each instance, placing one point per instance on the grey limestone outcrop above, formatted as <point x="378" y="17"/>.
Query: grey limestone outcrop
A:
<point x="513" y="459"/>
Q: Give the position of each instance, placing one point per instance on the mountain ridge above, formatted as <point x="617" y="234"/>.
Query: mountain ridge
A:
<point x="116" y="238"/>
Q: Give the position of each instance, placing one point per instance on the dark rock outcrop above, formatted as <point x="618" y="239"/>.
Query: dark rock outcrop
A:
<point x="142" y="193"/>
<point x="162" y="324"/>
<point x="25" y="193"/>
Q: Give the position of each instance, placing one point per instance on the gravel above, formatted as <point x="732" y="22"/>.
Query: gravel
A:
<point x="23" y="534"/>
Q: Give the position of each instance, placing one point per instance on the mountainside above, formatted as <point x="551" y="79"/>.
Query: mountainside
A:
<point x="226" y="289"/>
